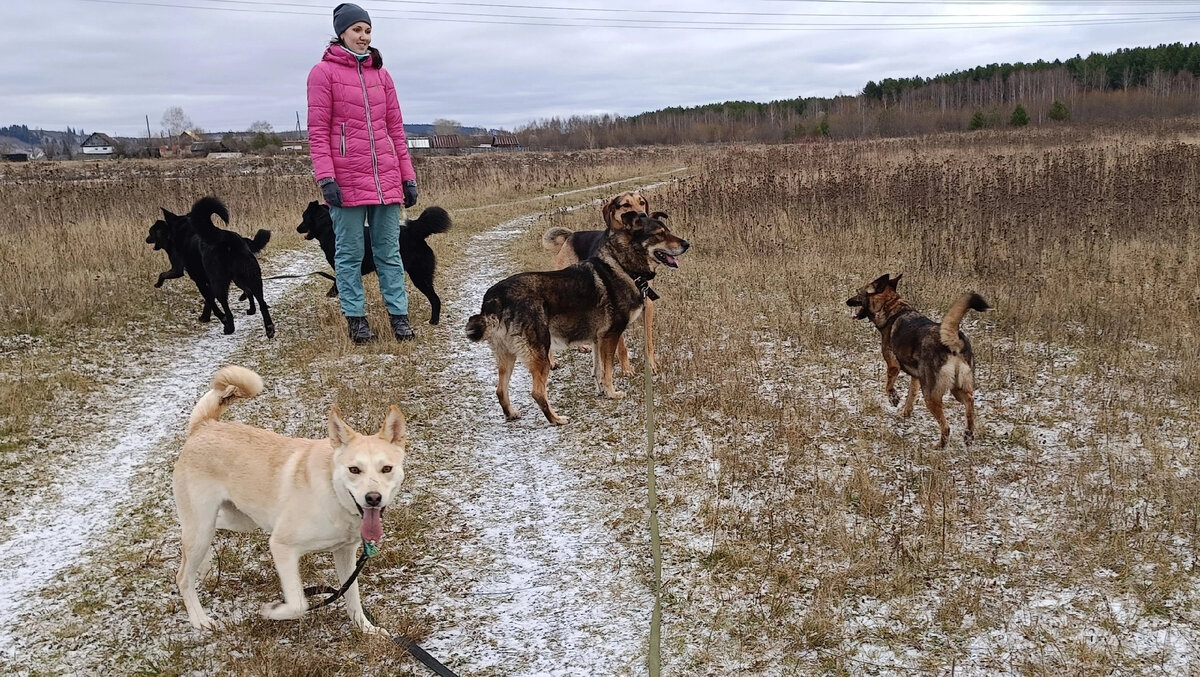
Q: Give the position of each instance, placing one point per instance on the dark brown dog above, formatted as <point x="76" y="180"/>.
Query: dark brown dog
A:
<point x="570" y="247"/>
<point x="589" y="303"/>
<point x="938" y="357"/>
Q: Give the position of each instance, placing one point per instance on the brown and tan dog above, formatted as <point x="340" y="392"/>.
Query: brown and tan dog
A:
<point x="570" y="247"/>
<point x="589" y="303"/>
<point x="937" y="356"/>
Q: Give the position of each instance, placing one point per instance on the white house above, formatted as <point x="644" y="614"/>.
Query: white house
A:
<point x="98" y="144"/>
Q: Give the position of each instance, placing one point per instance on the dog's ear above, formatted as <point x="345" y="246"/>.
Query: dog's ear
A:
<point x="659" y="215"/>
<point x="895" y="281"/>
<point x="166" y="214"/>
<point x="609" y="210"/>
<point x="340" y="432"/>
<point x="394" y="429"/>
<point x="879" y="284"/>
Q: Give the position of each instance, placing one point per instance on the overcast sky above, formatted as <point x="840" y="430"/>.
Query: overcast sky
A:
<point x="103" y="65"/>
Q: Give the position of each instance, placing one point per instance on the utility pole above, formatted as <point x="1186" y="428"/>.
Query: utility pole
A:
<point x="148" y="141"/>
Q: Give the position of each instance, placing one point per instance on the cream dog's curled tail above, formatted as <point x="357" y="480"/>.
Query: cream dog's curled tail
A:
<point x="230" y="382"/>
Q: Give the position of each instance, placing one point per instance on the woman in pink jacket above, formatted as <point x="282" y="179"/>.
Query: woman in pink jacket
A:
<point x="361" y="163"/>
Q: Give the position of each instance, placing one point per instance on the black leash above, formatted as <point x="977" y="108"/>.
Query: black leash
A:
<point x="400" y="640"/>
<point x="325" y="275"/>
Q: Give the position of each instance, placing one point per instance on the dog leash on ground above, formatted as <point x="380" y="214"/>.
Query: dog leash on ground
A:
<point x="369" y="551"/>
<point x="322" y="273"/>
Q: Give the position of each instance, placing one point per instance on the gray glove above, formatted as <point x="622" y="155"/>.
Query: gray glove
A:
<point x="331" y="192"/>
<point x="410" y="193"/>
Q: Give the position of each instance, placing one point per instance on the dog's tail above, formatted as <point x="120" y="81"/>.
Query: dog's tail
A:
<point x="954" y="316"/>
<point x="261" y="238"/>
<point x="202" y="213"/>
<point x="229" y="383"/>
<point x="431" y="221"/>
<point x="479" y="326"/>
<point x="554" y="238"/>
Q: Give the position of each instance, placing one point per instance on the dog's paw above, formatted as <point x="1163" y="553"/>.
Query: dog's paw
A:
<point x="280" y="611"/>
<point x="559" y="420"/>
<point x="228" y="329"/>
<point x="969" y="437"/>
<point x="616" y="394"/>
<point x="158" y="284"/>
<point x="512" y="415"/>
<point x="204" y="623"/>
<point x="369" y="628"/>
<point x="893" y="397"/>
<point x="906" y="412"/>
<point x="270" y="331"/>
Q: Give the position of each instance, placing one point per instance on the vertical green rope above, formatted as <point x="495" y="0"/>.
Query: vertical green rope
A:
<point x="654" y="658"/>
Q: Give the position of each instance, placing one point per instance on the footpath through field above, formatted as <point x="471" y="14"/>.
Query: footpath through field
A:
<point x="548" y="590"/>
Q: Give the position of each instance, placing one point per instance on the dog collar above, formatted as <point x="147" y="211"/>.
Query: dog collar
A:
<point x="643" y="285"/>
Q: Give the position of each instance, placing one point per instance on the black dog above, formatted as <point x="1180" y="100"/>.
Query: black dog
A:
<point x="175" y="235"/>
<point x="227" y="259"/>
<point x="419" y="261"/>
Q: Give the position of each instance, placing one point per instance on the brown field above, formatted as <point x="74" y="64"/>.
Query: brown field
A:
<point x="807" y="529"/>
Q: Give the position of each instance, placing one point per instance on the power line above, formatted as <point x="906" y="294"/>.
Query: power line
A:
<point x="1046" y="20"/>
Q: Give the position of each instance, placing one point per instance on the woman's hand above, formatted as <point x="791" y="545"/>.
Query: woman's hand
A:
<point x="333" y="193"/>
<point x="410" y="193"/>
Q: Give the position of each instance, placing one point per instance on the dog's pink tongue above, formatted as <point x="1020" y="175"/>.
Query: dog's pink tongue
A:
<point x="372" y="524"/>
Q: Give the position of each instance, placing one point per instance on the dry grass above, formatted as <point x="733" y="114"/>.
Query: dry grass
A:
<point x="808" y="530"/>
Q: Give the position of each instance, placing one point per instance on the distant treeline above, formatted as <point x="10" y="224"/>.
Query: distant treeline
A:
<point x="1127" y="84"/>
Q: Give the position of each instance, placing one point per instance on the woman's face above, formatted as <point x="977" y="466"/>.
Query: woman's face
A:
<point x="357" y="38"/>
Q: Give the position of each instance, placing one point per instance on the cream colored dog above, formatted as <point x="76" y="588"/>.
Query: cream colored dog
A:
<point x="310" y="495"/>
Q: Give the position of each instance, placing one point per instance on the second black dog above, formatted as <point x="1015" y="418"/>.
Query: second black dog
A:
<point x="227" y="259"/>
<point x="418" y="258"/>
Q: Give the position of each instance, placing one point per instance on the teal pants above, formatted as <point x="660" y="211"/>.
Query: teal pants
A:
<point x="384" y="231"/>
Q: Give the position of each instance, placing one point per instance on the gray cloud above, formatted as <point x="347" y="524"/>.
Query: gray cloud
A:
<point x="105" y="66"/>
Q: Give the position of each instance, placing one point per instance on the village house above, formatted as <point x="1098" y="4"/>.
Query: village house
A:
<point x="98" y="145"/>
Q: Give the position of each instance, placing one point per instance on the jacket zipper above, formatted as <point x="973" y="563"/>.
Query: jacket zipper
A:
<point x="343" y="139"/>
<point x="370" y="132"/>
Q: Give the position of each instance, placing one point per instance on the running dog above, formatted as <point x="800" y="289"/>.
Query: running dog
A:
<point x="174" y="235"/>
<point x="589" y="303"/>
<point x="937" y="356"/>
<point x="415" y="253"/>
<point x="570" y="247"/>
<point x="227" y="260"/>
<point x="310" y="495"/>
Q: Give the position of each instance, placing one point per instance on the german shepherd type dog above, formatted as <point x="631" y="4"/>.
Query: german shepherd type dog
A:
<point x="937" y="356"/>
<point x="227" y="259"/>
<point x="589" y="303"/>
<point x="570" y="247"/>
<point x="174" y="235"/>
<point x="310" y="495"/>
<point x="415" y="253"/>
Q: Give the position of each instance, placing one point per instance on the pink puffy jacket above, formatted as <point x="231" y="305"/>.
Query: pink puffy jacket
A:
<point x="355" y="129"/>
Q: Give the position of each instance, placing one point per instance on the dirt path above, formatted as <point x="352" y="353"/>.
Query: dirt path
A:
<point x="545" y="592"/>
<point x="158" y="389"/>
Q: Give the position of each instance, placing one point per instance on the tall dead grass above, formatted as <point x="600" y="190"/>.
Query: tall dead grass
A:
<point x="828" y="516"/>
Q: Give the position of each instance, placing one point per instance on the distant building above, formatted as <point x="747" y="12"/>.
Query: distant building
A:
<point x="418" y="142"/>
<point x="98" y="145"/>
<point x="16" y="157"/>
<point x="444" y="141"/>
<point x="506" y="141"/>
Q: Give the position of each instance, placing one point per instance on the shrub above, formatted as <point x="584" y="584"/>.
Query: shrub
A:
<point x="1019" y="118"/>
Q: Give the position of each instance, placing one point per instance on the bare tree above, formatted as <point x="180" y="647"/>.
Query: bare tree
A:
<point x="262" y="126"/>
<point x="175" y="121"/>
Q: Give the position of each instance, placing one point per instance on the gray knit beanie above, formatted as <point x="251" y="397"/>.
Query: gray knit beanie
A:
<point x="346" y="15"/>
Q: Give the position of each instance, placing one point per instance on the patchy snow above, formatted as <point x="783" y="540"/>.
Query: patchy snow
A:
<point x="54" y="527"/>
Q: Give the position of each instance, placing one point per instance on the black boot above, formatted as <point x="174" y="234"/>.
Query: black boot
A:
<point x="401" y="328"/>
<point x="360" y="331"/>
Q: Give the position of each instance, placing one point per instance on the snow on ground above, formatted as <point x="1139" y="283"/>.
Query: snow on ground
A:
<point x="160" y="387"/>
